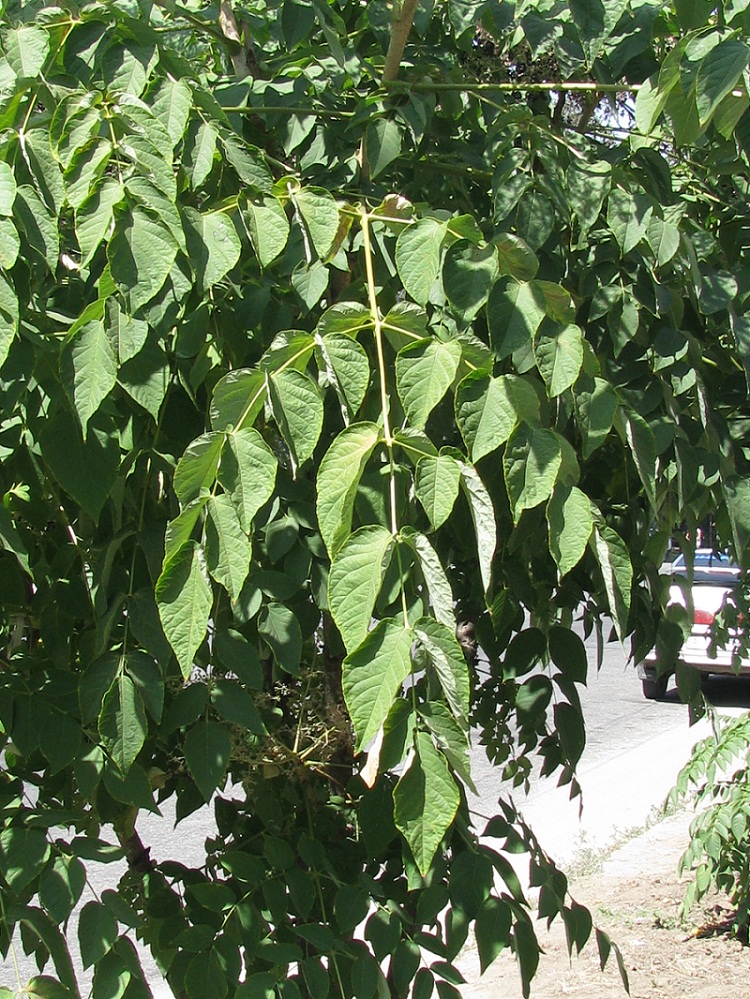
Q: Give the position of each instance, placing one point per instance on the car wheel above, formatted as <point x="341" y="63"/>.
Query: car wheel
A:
<point x="655" y="689"/>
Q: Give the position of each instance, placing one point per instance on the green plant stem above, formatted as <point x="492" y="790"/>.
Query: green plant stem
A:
<point x="387" y="436"/>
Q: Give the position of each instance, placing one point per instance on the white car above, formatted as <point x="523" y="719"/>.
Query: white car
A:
<point x="713" y="576"/>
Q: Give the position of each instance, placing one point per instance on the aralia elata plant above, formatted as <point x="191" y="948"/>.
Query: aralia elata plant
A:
<point x="338" y="341"/>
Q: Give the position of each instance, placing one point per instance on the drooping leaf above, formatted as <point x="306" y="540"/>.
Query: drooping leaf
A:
<point x="595" y="407"/>
<point x="355" y="579"/>
<point x="570" y="525"/>
<point x="469" y="273"/>
<point x="321" y="217"/>
<point x="247" y="473"/>
<point x="122" y="722"/>
<point x="207" y="750"/>
<point x="280" y="630"/>
<point x="23" y="854"/>
<point x="213" y="246"/>
<point x="85" y="469"/>
<point x="197" y="468"/>
<point x="141" y="254"/>
<point x="531" y="463"/>
<point x="338" y="478"/>
<point x="487" y="410"/>
<point x="382" y="144"/>
<point x="617" y="571"/>
<point x="184" y="598"/>
<point x="718" y="74"/>
<point x="425" y="801"/>
<point x="448" y="661"/>
<point x="227" y="546"/>
<point x="90" y="368"/>
<point x="418" y="257"/>
<point x="349" y="366"/>
<point x="559" y="356"/>
<point x="514" y="313"/>
<point x="26" y="49"/>
<point x="436" y="483"/>
<point x="372" y="676"/>
<point x="483" y="518"/>
<point x="424" y="372"/>
<point x="200" y="150"/>
<point x="268" y="228"/>
<point x="238" y="398"/>
<point x="492" y="930"/>
<point x="438" y="587"/>
<point x="97" y="932"/>
<point x="298" y="411"/>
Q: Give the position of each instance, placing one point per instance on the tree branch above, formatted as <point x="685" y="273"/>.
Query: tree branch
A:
<point x="403" y="17"/>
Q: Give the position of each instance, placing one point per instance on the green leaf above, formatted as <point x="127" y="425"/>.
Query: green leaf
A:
<point x="487" y="410"/>
<point x="205" y="977"/>
<point x="436" y="484"/>
<point x="418" y="257"/>
<point x="268" y="228"/>
<point x="148" y="680"/>
<point x="90" y="367"/>
<point x="298" y="410"/>
<point x="531" y="463"/>
<point x="236" y="705"/>
<point x="184" y="599"/>
<point x="23" y="854"/>
<point x="483" y="518"/>
<point x="247" y="473"/>
<point x="570" y="526"/>
<point x="97" y="932"/>
<point x="469" y="273"/>
<point x="198" y="157"/>
<point x="382" y="144"/>
<point x="664" y="240"/>
<point x="207" y="750"/>
<point x="448" y="660"/>
<point x="197" y="468"/>
<point x="213" y="246"/>
<point x="228" y="548"/>
<point x="355" y="579"/>
<point x="280" y="630"/>
<point x="642" y="445"/>
<point x="617" y="572"/>
<point x="127" y="335"/>
<point x="628" y="217"/>
<point x="650" y="101"/>
<point x="26" y="49"/>
<point x="61" y="886"/>
<point x="492" y="930"/>
<point x="11" y="541"/>
<point x="320" y="213"/>
<point x="588" y="184"/>
<point x="95" y="216"/>
<point x="514" y="313"/>
<point x="249" y="163"/>
<point x="238" y="398"/>
<point x="516" y="259"/>
<point x="180" y="530"/>
<point x="141" y="253"/>
<point x="438" y="587"/>
<point x="595" y="407"/>
<point x="44" y="169"/>
<point x="338" y="478"/>
<point x="425" y="802"/>
<point x="38" y="224"/>
<point x="87" y="470"/>
<point x="122" y="723"/>
<point x="559" y="356"/>
<point x="10" y="247"/>
<point x="372" y="676"/>
<point x="52" y="939"/>
<point x="424" y="372"/>
<point x="348" y="369"/>
<point x="7" y="189"/>
<point x="146" y="376"/>
<point x="8" y="318"/>
<point x="44" y="987"/>
<point x="718" y="74"/>
<point x="736" y="490"/>
<point x="172" y="106"/>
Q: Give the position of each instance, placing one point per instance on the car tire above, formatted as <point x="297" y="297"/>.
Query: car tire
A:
<point x="655" y="689"/>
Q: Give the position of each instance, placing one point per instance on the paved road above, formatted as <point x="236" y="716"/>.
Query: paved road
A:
<point x="633" y="753"/>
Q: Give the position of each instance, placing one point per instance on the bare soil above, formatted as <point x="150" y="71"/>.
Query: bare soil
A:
<point x="635" y="896"/>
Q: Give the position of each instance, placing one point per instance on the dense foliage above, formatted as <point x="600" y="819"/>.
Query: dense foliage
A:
<point x="335" y="339"/>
